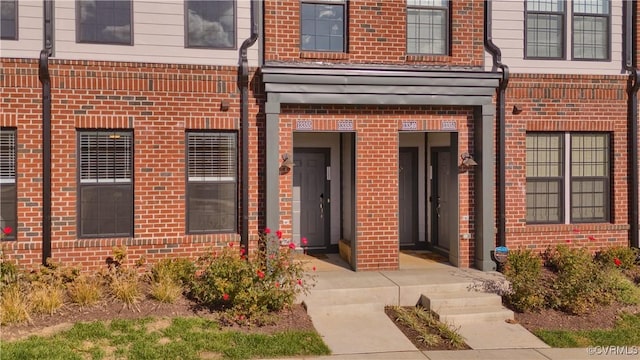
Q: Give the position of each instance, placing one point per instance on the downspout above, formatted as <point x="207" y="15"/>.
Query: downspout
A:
<point x="630" y="64"/>
<point x="500" y="151"/>
<point x="244" y="120"/>
<point x="45" y="79"/>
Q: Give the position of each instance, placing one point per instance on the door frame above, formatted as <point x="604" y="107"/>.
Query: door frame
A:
<point x="326" y="201"/>
<point x="415" y="150"/>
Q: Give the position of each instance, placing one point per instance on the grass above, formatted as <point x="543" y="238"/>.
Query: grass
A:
<point x="149" y="338"/>
<point x="165" y="289"/>
<point x="85" y="290"/>
<point x="14" y="306"/>
<point x="626" y="332"/>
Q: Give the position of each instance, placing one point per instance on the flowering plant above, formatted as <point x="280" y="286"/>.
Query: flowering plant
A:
<point x="249" y="287"/>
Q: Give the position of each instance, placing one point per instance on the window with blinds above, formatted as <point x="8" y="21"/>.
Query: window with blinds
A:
<point x="211" y="182"/>
<point x="105" y="183"/>
<point x="8" y="194"/>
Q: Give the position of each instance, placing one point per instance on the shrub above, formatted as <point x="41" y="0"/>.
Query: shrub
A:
<point x="621" y="287"/>
<point x="14" y="306"/>
<point x="619" y="256"/>
<point x="579" y="283"/>
<point x="181" y="270"/>
<point x="85" y="290"/>
<point x="523" y="270"/>
<point x="248" y="289"/>
<point x="9" y="274"/>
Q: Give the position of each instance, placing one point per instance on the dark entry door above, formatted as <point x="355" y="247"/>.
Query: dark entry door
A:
<point x="441" y="187"/>
<point x="310" y="176"/>
<point x="408" y="194"/>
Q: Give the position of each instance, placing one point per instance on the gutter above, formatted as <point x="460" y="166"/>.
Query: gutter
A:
<point x="45" y="79"/>
<point x="243" y="81"/>
<point x="500" y="151"/>
<point x="630" y="64"/>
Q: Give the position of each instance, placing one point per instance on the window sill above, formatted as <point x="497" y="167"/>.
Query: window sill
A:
<point x="324" y="55"/>
<point x="575" y="228"/>
<point x="428" y="58"/>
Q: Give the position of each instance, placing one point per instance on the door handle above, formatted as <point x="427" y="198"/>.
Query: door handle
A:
<point x="438" y="206"/>
<point x="321" y="205"/>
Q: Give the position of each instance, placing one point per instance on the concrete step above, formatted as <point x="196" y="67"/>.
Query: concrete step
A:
<point x="339" y="310"/>
<point x="386" y="295"/>
<point x="467" y="315"/>
<point x="439" y="300"/>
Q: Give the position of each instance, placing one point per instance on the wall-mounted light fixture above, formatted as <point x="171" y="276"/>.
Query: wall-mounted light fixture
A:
<point x="286" y="165"/>
<point x="517" y="109"/>
<point x="466" y="163"/>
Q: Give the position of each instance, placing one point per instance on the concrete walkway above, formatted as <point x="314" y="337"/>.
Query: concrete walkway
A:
<point x="347" y="310"/>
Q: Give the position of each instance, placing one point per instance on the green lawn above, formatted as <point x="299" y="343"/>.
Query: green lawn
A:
<point x="626" y="332"/>
<point x="149" y="338"/>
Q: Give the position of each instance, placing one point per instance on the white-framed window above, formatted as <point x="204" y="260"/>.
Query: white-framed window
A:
<point x="323" y="25"/>
<point x="428" y="27"/>
<point x="546" y="32"/>
<point x="105" y="183"/>
<point x="568" y="177"/>
<point x="212" y="163"/>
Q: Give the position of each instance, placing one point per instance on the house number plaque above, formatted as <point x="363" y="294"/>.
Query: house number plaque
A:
<point x="410" y="125"/>
<point x="304" y="125"/>
<point x="345" y="125"/>
<point x="448" y="125"/>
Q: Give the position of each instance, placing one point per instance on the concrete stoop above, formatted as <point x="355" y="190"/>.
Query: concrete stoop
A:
<point x="480" y="318"/>
<point x="348" y="311"/>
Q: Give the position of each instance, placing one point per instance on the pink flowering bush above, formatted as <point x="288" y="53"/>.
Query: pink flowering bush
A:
<point x="246" y="288"/>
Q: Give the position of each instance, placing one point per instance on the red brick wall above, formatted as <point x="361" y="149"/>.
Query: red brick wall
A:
<point x="159" y="103"/>
<point x="376" y="34"/>
<point x="565" y="103"/>
<point x="376" y="131"/>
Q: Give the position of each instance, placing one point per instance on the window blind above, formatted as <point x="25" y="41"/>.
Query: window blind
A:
<point x="7" y="156"/>
<point x="212" y="156"/>
<point x="105" y="157"/>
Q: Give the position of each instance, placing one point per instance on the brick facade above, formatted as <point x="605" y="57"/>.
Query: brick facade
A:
<point x="158" y="103"/>
<point x="376" y="35"/>
<point x="566" y="103"/>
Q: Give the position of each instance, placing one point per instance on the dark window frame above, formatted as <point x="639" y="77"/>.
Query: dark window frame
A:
<point x="233" y="46"/>
<point x="447" y="32"/>
<point x="563" y="37"/>
<point x="606" y="180"/>
<point x="609" y="32"/>
<point x="190" y="184"/>
<point x="11" y="173"/>
<point x="345" y="24"/>
<point x="568" y="179"/>
<point x="78" y="20"/>
<point x="15" y="20"/>
<point x="99" y="181"/>
<point x="549" y="179"/>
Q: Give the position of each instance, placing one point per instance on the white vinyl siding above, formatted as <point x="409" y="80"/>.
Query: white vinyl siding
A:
<point x="29" y="41"/>
<point x="158" y="36"/>
<point x="508" y="17"/>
